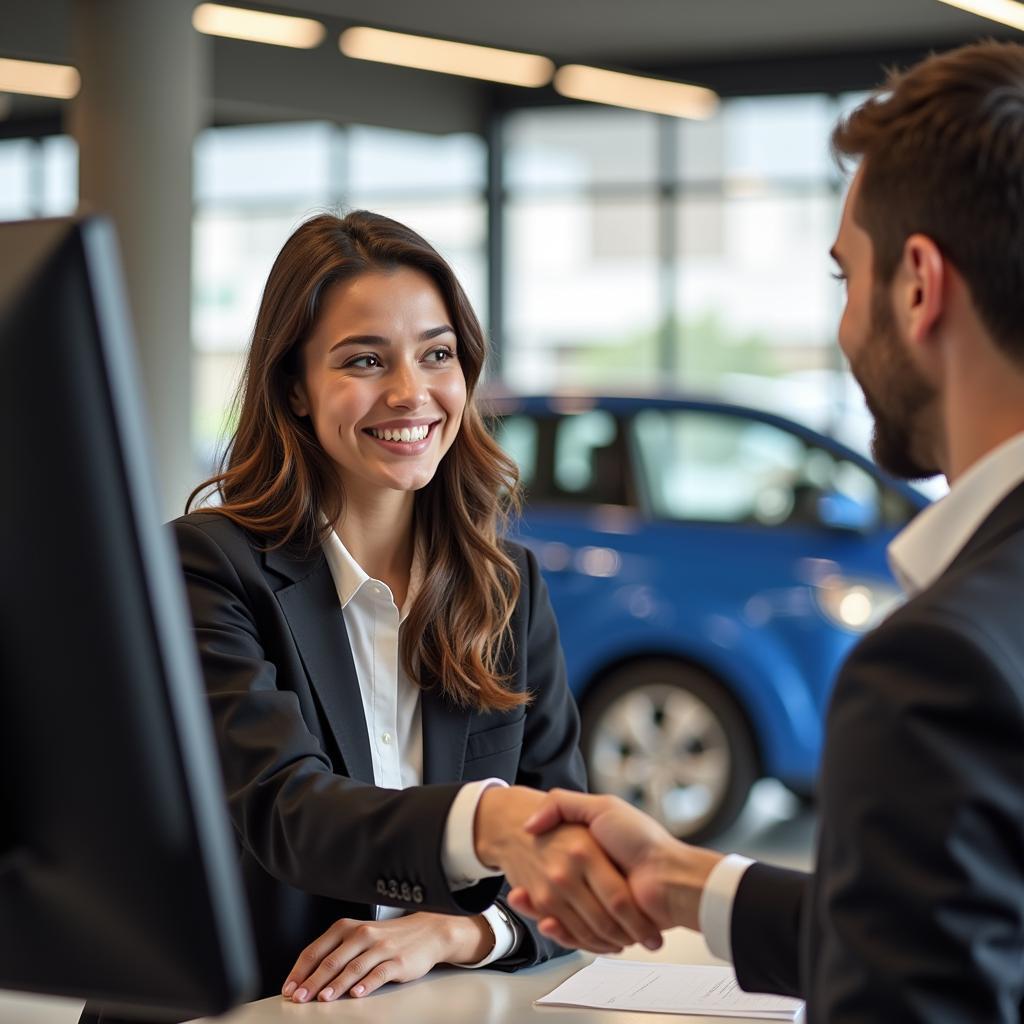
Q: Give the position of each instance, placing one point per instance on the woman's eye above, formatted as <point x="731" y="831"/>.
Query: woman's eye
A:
<point x="366" y="362"/>
<point x="440" y="355"/>
<point x="837" y="276"/>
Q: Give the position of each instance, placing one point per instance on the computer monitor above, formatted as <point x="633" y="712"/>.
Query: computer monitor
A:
<point x="118" y="880"/>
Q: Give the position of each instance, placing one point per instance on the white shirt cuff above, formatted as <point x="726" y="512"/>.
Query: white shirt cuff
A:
<point x="459" y="861"/>
<point x="506" y="935"/>
<point x="715" y="911"/>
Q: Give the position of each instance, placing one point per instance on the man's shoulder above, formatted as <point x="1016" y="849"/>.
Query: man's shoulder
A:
<point x="967" y="623"/>
<point x="980" y="594"/>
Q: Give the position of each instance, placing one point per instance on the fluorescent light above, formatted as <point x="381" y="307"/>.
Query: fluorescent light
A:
<point x="579" y="82"/>
<point x="58" y="81"/>
<point x="258" y="26"/>
<point x="450" y="58"/>
<point x="1008" y="12"/>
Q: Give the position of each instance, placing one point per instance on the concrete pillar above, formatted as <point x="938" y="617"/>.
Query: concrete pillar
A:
<point x="143" y="97"/>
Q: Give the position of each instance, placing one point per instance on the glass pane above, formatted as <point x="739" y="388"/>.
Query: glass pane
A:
<point x="60" y="175"/>
<point x="215" y="377"/>
<point x="17" y="164"/>
<point x="582" y="292"/>
<point x="232" y="254"/>
<point x="297" y="162"/>
<point x="579" y="147"/>
<point x="589" y="463"/>
<point x="385" y="159"/>
<point x="760" y="138"/>
<point x="758" y="309"/>
<point x="518" y="436"/>
<point x="712" y="467"/>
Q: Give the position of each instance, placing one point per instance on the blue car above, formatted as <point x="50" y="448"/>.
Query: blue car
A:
<point x="710" y="566"/>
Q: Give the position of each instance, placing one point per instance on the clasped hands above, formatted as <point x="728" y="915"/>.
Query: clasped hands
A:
<point x="595" y="872"/>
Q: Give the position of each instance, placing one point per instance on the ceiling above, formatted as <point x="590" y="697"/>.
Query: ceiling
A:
<point x="735" y="46"/>
<point x="655" y="33"/>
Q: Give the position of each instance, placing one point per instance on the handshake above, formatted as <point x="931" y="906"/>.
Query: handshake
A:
<point x="595" y="872"/>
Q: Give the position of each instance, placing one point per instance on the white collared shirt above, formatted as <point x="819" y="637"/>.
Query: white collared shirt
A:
<point x="393" y="713"/>
<point x="918" y="556"/>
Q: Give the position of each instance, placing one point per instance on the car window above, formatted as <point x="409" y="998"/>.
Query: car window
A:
<point x="518" y="436"/>
<point x="576" y="458"/>
<point x="717" y="467"/>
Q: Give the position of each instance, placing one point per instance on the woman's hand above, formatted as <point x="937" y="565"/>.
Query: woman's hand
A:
<point x="356" y="957"/>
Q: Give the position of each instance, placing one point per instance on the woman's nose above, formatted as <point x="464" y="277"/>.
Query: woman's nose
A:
<point x="407" y="388"/>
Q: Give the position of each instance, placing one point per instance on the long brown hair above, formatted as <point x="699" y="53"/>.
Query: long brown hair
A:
<point x="276" y="481"/>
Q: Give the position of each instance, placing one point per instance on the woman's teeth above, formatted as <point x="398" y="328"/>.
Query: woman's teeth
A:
<point x="406" y="434"/>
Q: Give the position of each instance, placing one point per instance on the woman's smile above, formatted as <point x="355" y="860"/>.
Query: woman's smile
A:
<point x="404" y="437"/>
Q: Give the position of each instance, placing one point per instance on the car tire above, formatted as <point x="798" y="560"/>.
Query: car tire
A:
<point x="670" y="739"/>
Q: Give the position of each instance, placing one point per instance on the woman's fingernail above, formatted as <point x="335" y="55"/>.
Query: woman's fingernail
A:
<point x="357" y="990"/>
<point x="288" y="989"/>
<point x="652" y="943"/>
<point x="326" y="994"/>
<point x="301" y="996"/>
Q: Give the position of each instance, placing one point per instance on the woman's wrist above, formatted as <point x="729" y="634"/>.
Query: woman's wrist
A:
<point x="467" y="939"/>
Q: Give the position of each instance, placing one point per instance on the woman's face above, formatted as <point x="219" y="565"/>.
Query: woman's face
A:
<point x="381" y="382"/>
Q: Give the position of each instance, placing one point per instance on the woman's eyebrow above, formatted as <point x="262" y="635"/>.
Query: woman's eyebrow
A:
<point x="376" y="339"/>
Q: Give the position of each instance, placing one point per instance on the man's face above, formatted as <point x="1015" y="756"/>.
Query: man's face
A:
<point x="898" y="396"/>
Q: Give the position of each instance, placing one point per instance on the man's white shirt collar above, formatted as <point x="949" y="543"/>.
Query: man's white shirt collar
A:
<point x="923" y="551"/>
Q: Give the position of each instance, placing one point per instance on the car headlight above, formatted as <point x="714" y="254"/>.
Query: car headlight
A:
<point x="856" y="605"/>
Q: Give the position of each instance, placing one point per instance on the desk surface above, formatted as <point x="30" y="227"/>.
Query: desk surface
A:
<point x="445" y="996"/>
<point x="453" y="996"/>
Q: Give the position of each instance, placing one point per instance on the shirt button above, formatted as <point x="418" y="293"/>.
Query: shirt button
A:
<point x="386" y="737"/>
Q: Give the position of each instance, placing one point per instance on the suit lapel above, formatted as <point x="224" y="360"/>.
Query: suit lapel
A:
<point x="445" y="729"/>
<point x="1006" y="518"/>
<point x="315" y="618"/>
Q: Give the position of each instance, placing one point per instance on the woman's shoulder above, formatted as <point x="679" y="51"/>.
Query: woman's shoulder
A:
<point x="519" y="553"/>
<point x="208" y="528"/>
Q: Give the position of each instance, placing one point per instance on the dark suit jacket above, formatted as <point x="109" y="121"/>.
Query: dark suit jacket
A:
<point x="915" y="911"/>
<point x="317" y="839"/>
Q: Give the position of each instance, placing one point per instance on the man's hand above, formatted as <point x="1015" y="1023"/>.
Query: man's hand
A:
<point x="666" y="877"/>
<point x="566" y="873"/>
<point x="355" y="957"/>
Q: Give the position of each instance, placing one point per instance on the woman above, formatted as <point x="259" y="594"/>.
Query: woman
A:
<point x="363" y="630"/>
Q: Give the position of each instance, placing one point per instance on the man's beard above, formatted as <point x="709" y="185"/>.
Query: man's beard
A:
<point x="897" y="396"/>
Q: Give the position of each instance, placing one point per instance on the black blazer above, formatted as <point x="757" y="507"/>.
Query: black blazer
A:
<point x="317" y="839"/>
<point x="915" y="911"/>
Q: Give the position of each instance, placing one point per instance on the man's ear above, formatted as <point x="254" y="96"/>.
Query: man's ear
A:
<point x="297" y="397"/>
<point x="920" y="287"/>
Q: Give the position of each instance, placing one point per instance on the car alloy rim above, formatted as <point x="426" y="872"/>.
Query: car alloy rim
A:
<point x="663" y="749"/>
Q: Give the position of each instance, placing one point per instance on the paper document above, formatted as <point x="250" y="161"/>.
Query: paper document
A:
<point x="668" y="988"/>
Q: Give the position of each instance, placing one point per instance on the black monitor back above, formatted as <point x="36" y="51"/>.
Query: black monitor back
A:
<point x="117" y="872"/>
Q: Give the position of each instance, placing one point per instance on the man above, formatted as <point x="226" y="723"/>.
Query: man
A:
<point x="915" y="911"/>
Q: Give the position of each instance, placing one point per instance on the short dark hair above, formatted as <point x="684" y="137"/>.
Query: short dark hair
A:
<point x="943" y="154"/>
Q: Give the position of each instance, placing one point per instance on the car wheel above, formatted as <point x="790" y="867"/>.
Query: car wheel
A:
<point x="670" y="739"/>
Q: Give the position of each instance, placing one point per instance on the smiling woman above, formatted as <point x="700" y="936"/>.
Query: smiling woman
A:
<point x="384" y="674"/>
<point x="363" y="329"/>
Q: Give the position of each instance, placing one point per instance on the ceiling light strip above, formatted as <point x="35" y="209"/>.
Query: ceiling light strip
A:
<point x="655" y="95"/>
<point x="445" y="56"/>
<point x="258" y="26"/>
<point x="32" y="78"/>
<point x="1007" y="12"/>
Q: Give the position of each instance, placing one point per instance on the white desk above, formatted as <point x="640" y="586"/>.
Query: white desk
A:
<point x="452" y="996"/>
